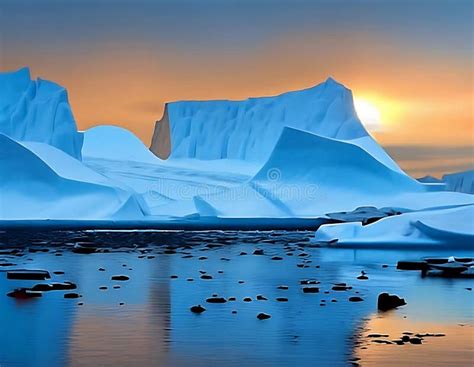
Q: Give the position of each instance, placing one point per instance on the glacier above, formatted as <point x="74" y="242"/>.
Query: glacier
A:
<point x="37" y="110"/>
<point x="296" y="159"/>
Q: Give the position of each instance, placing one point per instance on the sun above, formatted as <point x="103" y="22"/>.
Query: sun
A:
<point x="368" y="113"/>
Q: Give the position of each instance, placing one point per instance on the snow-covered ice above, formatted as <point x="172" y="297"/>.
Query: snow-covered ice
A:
<point x="294" y="157"/>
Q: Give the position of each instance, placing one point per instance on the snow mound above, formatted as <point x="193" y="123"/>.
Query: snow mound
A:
<point x="460" y="181"/>
<point x="37" y="111"/>
<point x="249" y="129"/>
<point x="39" y="181"/>
<point x="116" y="143"/>
<point x="451" y="227"/>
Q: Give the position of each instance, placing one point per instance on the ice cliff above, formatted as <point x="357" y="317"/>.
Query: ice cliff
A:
<point x="249" y="129"/>
<point x="37" y="110"/>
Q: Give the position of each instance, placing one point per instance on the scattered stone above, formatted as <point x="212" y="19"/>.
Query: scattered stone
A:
<point x="216" y="300"/>
<point x="202" y="258"/>
<point x="120" y="277"/>
<point x="283" y="287"/>
<point x="381" y="341"/>
<point x="412" y="265"/>
<point x="173" y="276"/>
<point x="355" y="299"/>
<point x="71" y="295"/>
<point x="121" y="303"/>
<point x="206" y="276"/>
<point x="261" y="298"/>
<point x="377" y="336"/>
<point x="386" y="301"/>
<point x="415" y="341"/>
<point x="116" y="286"/>
<point x="197" y="309"/>
<point x="234" y="311"/>
<point x="258" y="252"/>
<point x="310" y="290"/>
<point x="241" y="282"/>
<point x="58" y="272"/>
<point x="362" y="276"/>
<point x="28" y="274"/>
<point x="242" y="253"/>
<point x="83" y="248"/>
<point x="103" y="288"/>
<point x="24" y="293"/>
<point x="232" y="299"/>
<point x="190" y="280"/>
<point x="263" y="316"/>
<point x="341" y="287"/>
<point x="101" y="269"/>
<point x="277" y="258"/>
<point x="247" y="299"/>
<point x="282" y="299"/>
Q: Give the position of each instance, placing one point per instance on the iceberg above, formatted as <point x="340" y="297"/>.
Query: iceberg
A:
<point x="451" y="227"/>
<point x="249" y="129"/>
<point x="37" y="111"/>
<point x="460" y="181"/>
<point x="39" y="181"/>
<point x="115" y="143"/>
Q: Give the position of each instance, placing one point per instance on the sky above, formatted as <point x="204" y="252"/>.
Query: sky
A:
<point x="120" y="61"/>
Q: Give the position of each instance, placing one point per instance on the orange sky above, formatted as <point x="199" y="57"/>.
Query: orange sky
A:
<point x="422" y="86"/>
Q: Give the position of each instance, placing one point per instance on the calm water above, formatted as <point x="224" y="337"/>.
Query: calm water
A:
<point x="154" y="326"/>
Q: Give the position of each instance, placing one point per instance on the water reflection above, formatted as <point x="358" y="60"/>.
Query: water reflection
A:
<point x="154" y="327"/>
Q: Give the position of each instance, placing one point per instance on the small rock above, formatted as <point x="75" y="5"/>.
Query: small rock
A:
<point x="412" y="265"/>
<point x="24" y="293"/>
<point x="216" y="300"/>
<point x="355" y="299"/>
<point x="101" y="269"/>
<point x="282" y="299"/>
<point x="173" y="276"/>
<point x="232" y="299"/>
<point x="386" y="301"/>
<point x="206" y="276"/>
<point x="28" y="274"/>
<point x="120" y="277"/>
<point x="263" y="316"/>
<point x="310" y="290"/>
<point x="283" y="287"/>
<point x="415" y="341"/>
<point x="71" y="295"/>
<point x="277" y="258"/>
<point x="83" y="249"/>
<point x="247" y="299"/>
<point x="258" y="252"/>
<point x="197" y="309"/>
<point x="261" y="298"/>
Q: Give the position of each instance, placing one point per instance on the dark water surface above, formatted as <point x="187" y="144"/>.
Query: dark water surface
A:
<point x="154" y="326"/>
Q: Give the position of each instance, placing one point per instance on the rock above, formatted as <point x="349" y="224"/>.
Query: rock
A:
<point x="261" y="298"/>
<point x="258" y="252"/>
<point x="362" y="276"/>
<point x="83" y="248"/>
<point x="234" y="311"/>
<point x="381" y="341"/>
<point x="103" y="288"/>
<point x="310" y="290"/>
<point x="197" y="309"/>
<point x="277" y="258"/>
<point x="242" y="253"/>
<point x="116" y="287"/>
<point x="355" y="299"/>
<point x="173" y="277"/>
<point x="190" y="279"/>
<point x="232" y="299"/>
<point x="101" y="269"/>
<point x="283" y="287"/>
<point x="415" y="341"/>
<point x="206" y="276"/>
<point x="120" y="277"/>
<point x="24" y="293"/>
<point x="377" y="336"/>
<point x="202" y="258"/>
<point x="28" y="274"/>
<point x="282" y="299"/>
<point x="241" y="282"/>
<point x="341" y="287"/>
<point x="263" y="316"/>
<point x="58" y="272"/>
<point x="71" y="295"/>
<point x="412" y="265"/>
<point x="216" y="300"/>
<point x="386" y="301"/>
<point x="247" y="299"/>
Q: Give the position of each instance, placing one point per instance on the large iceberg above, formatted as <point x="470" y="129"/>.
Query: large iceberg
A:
<point x="460" y="181"/>
<point x="249" y="129"/>
<point x="39" y="181"/>
<point x="37" y="110"/>
<point x="297" y="158"/>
